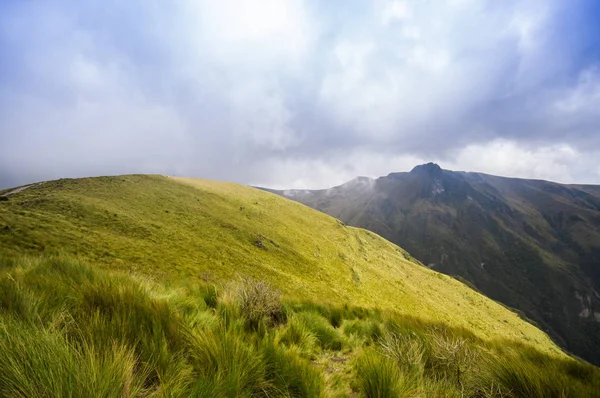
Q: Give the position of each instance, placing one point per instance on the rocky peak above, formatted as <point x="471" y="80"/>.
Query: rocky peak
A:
<point x="429" y="169"/>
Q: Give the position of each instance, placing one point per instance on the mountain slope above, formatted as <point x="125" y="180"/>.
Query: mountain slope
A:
<point x="533" y="245"/>
<point x="176" y="229"/>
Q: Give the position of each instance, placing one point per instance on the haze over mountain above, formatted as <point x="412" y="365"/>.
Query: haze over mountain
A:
<point x="531" y="244"/>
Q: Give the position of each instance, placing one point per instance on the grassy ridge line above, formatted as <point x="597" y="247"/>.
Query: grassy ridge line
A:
<point x="177" y="229"/>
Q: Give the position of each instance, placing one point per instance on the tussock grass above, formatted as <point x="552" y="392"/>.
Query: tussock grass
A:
<point x="367" y="329"/>
<point x="379" y="377"/>
<point x="326" y="336"/>
<point x="68" y="329"/>
<point x="227" y="363"/>
<point x="42" y="362"/>
<point x="290" y="374"/>
<point x="257" y="302"/>
<point x="527" y="373"/>
<point x="297" y="334"/>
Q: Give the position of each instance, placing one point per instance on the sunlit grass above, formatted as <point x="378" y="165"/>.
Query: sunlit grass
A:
<point x="67" y="329"/>
<point x="189" y="230"/>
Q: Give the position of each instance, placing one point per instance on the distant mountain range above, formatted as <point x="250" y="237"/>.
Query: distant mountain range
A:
<point x="532" y="245"/>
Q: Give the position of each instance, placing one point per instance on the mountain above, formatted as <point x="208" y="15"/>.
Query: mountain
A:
<point x="532" y="245"/>
<point x="146" y="286"/>
<point x="193" y="229"/>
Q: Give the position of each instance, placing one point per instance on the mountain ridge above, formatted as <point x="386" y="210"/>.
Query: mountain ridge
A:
<point x="531" y="244"/>
<point x="146" y="285"/>
<point x="220" y="230"/>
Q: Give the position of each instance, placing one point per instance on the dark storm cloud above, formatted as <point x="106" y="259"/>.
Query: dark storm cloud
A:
<point x="295" y="93"/>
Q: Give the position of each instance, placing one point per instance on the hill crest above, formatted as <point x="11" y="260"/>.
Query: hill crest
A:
<point x="180" y="228"/>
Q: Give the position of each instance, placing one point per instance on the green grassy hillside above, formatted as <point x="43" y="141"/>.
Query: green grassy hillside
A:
<point x="175" y="228"/>
<point x="156" y="309"/>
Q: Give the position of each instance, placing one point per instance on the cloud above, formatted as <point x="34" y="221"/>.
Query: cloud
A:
<point x="297" y="93"/>
<point x="394" y="11"/>
<point x="559" y="162"/>
<point x="584" y="97"/>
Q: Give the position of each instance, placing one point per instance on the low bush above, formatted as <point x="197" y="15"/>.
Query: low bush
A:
<point x="450" y="356"/>
<point x="257" y="302"/>
<point x="406" y="351"/>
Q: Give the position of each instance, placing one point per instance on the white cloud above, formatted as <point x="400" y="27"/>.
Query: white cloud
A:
<point x="398" y="10"/>
<point x="261" y="118"/>
<point x="432" y="60"/>
<point x="559" y="162"/>
<point x="389" y="83"/>
<point x="584" y="97"/>
<point x="226" y="89"/>
<point x="270" y="30"/>
<point x="334" y="169"/>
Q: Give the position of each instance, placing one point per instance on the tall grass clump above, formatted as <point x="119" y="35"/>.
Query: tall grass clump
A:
<point x="17" y="301"/>
<point x="257" y="302"/>
<point x="289" y="374"/>
<point x="68" y="329"/>
<point x="379" y="377"/>
<point x="297" y="334"/>
<point x="327" y="337"/>
<point x="40" y="362"/>
<point x="525" y="372"/>
<point x="227" y="364"/>
<point x="367" y="329"/>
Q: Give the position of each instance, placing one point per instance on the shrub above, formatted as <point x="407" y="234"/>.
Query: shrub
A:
<point x="450" y="356"/>
<point x="257" y="301"/>
<point x="407" y="352"/>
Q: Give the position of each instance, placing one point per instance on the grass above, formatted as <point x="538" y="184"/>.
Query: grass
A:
<point x="190" y="231"/>
<point x="151" y="286"/>
<point x="68" y="329"/>
<point x="532" y="245"/>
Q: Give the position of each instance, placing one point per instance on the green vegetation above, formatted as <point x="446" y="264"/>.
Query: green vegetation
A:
<point x="153" y="286"/>
<point x="191" y="231"/>
<point x="67" y="329"/>
<point x="532" y="245"/>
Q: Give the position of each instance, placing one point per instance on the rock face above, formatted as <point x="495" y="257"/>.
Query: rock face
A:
<point x="533" y="245"/>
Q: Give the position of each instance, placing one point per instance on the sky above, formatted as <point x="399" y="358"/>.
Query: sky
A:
<point x="299" y="94"/>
